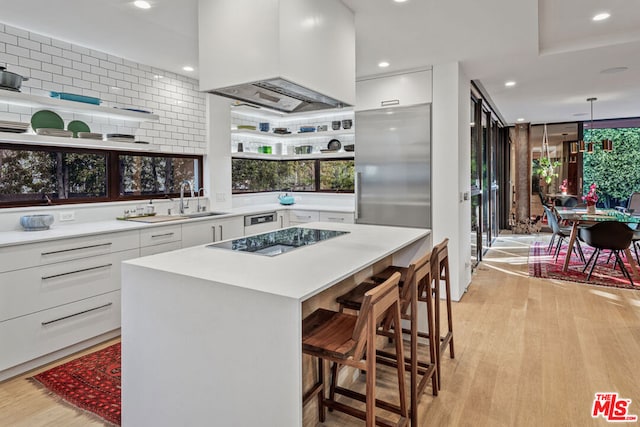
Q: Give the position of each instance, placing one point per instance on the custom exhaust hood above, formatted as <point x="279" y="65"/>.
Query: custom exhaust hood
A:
<point x="287" y="55"/>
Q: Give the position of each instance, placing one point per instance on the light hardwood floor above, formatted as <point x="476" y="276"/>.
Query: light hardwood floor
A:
<point x="529" y="352"/>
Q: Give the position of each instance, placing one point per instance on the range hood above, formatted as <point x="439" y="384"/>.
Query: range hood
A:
<point x="281" y="95"/>
<point x="287" y="55"/>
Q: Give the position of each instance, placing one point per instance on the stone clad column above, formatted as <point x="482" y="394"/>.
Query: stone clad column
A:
<point x="520" y="139"/>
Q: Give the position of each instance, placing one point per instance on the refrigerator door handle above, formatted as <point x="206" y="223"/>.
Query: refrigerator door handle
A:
<point x="357" y="211"/>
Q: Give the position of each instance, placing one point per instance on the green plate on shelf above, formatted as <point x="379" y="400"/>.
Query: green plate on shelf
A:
<point x="46" y="119"/>
<point x="76" y="126"/>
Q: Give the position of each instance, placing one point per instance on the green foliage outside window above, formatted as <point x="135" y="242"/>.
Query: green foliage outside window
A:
<point x="616" y="173"/>
<point x="337" y="175"/>
<point x="33" y="174"/>
<point x="251" y="176"/>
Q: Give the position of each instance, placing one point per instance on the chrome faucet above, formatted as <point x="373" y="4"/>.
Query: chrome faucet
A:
<point x="182" y="204"/>
<point x="201" y="190"/>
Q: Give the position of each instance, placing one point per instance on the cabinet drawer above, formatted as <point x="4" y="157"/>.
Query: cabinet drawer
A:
<point x="35" y="289"/>
<point x="28" y="337"/>
<point x="394" y="91"/>
<point x="158" y="249"/>
<point x="343" y="217"/>
<point x="34" y="254"/>
<point x="159" y="235"/>
<point x="296" y="216"/>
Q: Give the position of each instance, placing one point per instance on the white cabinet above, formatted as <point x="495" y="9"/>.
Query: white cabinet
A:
<point x="394" y="91"/>
<point x="28" y="337"/>
<point x="300" y="217"/>
<point x="160" y="235"/>
<point x="343" y="217"/>
<point x="202" y="232"/>
<point x="283" y="218"/>
<point x="60" y="293"/>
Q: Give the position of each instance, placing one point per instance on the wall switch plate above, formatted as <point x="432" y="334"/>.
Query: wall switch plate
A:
<point x="220" y="197"/>
<point x="67" y="216"/>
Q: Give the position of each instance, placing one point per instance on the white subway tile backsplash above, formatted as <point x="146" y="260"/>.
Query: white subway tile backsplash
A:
<point x="63" y="62"/>
<point x="16" y="31"/>
<point x="20" y="52"/>
<point x="60" y="44"/>
<point x="42" y="57"/>
<point x="51" y="68"/>
<point x="55" y="65"/>
<point x="28" y="44"/>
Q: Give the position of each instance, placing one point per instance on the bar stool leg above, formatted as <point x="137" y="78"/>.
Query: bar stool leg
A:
<point x="436" y="336"/>
<point x="449" y="316"/>
<point x="414" y="354"/>
<point x="321" y="408"/>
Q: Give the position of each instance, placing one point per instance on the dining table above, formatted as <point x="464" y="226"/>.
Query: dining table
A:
<point x="580" y="216"/>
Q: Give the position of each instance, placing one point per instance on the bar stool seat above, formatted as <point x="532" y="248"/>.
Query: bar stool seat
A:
<point x="350" y="340"/>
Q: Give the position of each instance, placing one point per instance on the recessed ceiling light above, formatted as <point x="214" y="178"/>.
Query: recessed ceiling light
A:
<point x="187" y="68"/>
<point x="510" y="83"/>
<point x="383" y="64"/>
<point x="601" y="16"/>
<point x="142" y="4"/>
<point x="614" y="70"/>
<point x="399" y="1"/>
<point x="520" y="119"/>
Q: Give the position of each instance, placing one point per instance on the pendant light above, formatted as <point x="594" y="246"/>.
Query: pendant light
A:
<point x="607" y="144"/>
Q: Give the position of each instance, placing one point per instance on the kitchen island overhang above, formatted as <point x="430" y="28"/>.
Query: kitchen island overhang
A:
<point x="216" y="335"/>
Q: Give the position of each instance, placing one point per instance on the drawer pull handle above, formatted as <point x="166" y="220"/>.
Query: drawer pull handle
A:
<point x="76" y="249"/>
<point x="336" y="219"/>
<point x="77" y="314"/>
<point x="153" y="236"/>
<point x="84" y="270"/>
<point x="390" y="102"/>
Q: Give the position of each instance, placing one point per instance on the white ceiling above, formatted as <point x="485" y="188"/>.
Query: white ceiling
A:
<point x="551" y="48"/>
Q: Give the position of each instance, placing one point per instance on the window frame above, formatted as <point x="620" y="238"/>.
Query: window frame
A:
<point x="112" y="174"/>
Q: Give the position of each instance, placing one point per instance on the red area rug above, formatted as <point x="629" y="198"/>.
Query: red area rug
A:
<point x="91" y="383"/>
<point x="543" y="265"/>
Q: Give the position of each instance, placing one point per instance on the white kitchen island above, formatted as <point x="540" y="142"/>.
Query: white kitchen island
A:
<point x="212" y="337"/>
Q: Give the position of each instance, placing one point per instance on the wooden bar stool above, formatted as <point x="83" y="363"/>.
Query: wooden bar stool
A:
<point x="440" y="261"/>
<point x="350" y="340"/>
<point x="416" y="288"/>
<point x="440" y="271"/>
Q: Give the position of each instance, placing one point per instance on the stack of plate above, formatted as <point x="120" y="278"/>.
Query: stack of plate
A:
<point x="13" y="127"/>
<point x="120" y="137"/>
<point x="90" y="135"/>
<point x="54" y="132"/>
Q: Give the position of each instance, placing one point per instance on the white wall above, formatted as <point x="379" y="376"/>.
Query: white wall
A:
<point x="55" y="65"/>
<point x="451" y="170"/>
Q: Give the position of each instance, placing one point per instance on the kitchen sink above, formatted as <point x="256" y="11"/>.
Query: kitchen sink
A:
<point x="203" y="214"/>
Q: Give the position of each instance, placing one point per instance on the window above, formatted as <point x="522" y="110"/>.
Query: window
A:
<point x="252" y="176"/>
<point x="50" y="175"/>
<point x="155" y="175"/>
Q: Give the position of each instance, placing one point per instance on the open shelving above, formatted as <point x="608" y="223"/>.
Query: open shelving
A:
<point x="325" y="134"/>
<point x="312" y="156"/>
<point x="56" y="141"/>
<point x="35" y="101"/>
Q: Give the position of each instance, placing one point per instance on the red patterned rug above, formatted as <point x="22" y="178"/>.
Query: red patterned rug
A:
<point x="543" y="265"/>
<point x="91" y="383"/>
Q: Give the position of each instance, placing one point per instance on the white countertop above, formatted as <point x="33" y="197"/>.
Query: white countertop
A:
<point x="298" y="274"/>
<point x="57" y="231"/>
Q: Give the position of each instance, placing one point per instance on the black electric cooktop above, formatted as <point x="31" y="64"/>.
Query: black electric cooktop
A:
<point x="279" y="241"/>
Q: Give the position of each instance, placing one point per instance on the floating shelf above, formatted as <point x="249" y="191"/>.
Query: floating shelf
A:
<point x="56" y="141"/>
<point x="313" y="156"/>
<point x="35" y="101"/>
<point x="327" y="134"/>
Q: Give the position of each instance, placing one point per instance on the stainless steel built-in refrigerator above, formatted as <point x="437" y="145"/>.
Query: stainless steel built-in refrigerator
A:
<point x="393" y="166"/>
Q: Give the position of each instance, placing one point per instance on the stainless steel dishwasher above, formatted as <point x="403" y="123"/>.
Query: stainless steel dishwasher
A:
<point x="260" y="223"/>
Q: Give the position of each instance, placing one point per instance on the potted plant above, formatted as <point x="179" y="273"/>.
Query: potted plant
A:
<point x="591" y="198"/>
